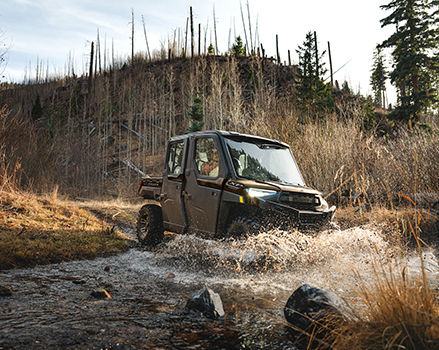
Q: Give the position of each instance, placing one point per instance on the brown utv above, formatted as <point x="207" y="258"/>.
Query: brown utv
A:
<point x="218" y="183"/>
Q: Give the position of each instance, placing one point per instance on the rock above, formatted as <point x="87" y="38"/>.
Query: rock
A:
<point x="78" y="281"/>
<point x="308" y="305"/>
<point x="5" y="291"/>
<point x="208" y="302"/>
<point x="100" y="293"/>
<point x="170" y="275"/>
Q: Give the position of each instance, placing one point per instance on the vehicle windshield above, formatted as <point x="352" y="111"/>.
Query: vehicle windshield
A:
<point x="264" y="161"/>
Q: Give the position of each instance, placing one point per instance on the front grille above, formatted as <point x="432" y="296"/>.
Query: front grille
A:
<point x="301" y="201"/>
<point x="311" y="218"/>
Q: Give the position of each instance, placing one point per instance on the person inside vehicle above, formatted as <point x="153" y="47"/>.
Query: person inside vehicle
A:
<point x="211" y="167"/>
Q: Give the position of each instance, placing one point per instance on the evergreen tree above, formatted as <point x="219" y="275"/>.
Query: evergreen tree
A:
<point x="346" y="89"/>
<point x="196" y="115"/>
<point x="37" y="110"/>
<point x="378" y="78"/>
<point x="238" y="48"/>
<point x="314" y="96"/>
<point x="415" y="47"/>
<point x="211" y="50"/>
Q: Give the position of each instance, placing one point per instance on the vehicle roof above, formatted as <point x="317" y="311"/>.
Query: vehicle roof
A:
<point x="223" y="133"/>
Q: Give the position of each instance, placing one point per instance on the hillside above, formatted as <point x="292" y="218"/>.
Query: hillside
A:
<point x="105" y="126"/>
<point x="97" y="136"/>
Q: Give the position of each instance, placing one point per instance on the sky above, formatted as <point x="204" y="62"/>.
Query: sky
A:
<point x="53" y="30"/>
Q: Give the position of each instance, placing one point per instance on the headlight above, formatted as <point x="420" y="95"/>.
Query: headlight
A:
<point x="257" y="192"/>
<point x="323" y="204"/>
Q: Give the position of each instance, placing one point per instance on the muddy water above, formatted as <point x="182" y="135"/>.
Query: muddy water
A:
<point x="51" y="306"/>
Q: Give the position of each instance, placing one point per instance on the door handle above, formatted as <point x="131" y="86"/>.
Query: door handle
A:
<point x="187" y="195"/>
<point x="163" y="196"/>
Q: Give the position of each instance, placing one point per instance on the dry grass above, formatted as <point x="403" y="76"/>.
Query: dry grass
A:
<point x="117" y="211"/>
<point x="42" y="229"/>
<point x="396" y="312"/>
<point x="394" y="223"/>
<point x="355" y="166"/>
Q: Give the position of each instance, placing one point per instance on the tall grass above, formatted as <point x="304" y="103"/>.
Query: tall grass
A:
<point x="27" y="159"/>
<point x="341" y="155"/>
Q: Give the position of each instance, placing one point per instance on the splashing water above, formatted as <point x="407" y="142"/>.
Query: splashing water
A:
<point x="275" y="251"/>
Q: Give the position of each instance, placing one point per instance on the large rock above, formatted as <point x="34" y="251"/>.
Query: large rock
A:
<point x="208" y="302"/>
<point x="309" y="305"/>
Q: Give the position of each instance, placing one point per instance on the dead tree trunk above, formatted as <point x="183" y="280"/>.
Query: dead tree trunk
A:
<point x="90" y="72"/>
<point x="245" y="31"/>
<point x="199" y="39"/>
<point x="192" y="33"/>
<point x="277" y="49"/>
<point x="330" y="64"/>
<point x="185" y="37"/>
<point x="317" y="55"/>
<point x="132" y="36"/>
<point x="214" y="29"/>
<point x="250" y="29"/>
<point x="146" y="38"/>
<point x="99" y="51"/>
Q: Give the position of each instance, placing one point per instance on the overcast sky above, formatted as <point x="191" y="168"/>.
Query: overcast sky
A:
<point x="51" y="29"/>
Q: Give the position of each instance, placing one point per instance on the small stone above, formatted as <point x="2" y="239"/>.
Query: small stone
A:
<point x="78" y="281"/>
<point x="5" y="291"/>
<point x="107" y="268"/>
<point x="100" y="293"/>
<point x="170" y="275"/>
<point x="207" y="302"/>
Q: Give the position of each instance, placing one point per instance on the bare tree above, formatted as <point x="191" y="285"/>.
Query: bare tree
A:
<point x="3" y="54"/>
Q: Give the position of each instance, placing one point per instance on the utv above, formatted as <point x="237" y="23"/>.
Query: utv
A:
<point x="219" y="183"/>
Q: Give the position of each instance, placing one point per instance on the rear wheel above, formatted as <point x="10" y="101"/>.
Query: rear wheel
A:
<point x="244" y="226"/>
<point x="150" y="225"/>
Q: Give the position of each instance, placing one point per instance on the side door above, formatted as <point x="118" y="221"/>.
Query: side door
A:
<point x="205" y="173"/>
<point x="173" y="184"/>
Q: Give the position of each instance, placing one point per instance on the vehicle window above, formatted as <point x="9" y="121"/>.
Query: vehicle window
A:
<point x="206" y="157"/>
<point x="175" y="158"/>
<point x="264" y="162"/>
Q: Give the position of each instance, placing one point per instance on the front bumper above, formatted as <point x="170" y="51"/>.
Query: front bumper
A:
<point x="296" y="217"/>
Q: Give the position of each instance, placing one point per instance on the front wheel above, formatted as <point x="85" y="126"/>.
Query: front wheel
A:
<point x="150" y="225"/>
<point x="244" y="226"/>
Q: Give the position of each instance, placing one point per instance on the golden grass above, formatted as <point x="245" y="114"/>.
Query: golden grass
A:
<point x="394" y="223"/>
<point x="117" y="211"/>
<point x="397" y="312"/>
<point x="42" y="229"/>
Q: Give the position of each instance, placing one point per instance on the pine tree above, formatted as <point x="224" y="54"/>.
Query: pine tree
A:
<point x="211" y="50"/>
<point x="314" y="96"/>
<point x="238" y="48"/>
<point x="37" y="110"/>
<point x="378" y="78"/>
<point x="415" y="52"/>
<point x="196" y="115"/>
<point x="346" y="89"/>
